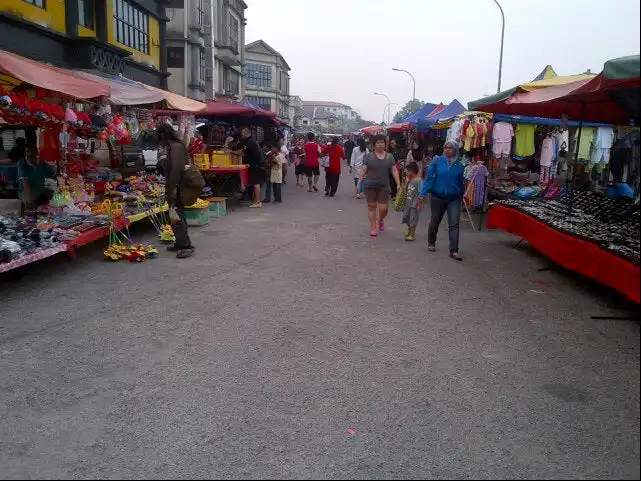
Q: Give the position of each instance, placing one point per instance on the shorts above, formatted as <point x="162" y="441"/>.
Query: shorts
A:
<point x="501" y="149"/>
<point x="256" y="175"/>
<point x="411" y="216"/>
<point x="377" y="195"/>
<point x="300" y="169"/>
<point x="310" y="171"/>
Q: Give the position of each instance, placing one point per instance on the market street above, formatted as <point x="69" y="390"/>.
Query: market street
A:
<point x="293" y="345"/>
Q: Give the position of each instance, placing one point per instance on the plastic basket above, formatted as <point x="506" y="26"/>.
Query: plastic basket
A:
<point x="201" y="161"/>
<point x="197" y="217"/>
<point x="220" y="159"/>
<point x="218" y="206"/>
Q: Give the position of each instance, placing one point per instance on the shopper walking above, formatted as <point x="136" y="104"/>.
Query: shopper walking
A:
<point x="444" y="184"/>
<point x="253" y="157"/>
<point x="415" y="154"/>
<point x="349" y="146"/>
<point x="285" y="151"/>
<point x="274" y="162"/>
<point x="176" y="163"/>
<point x="377" y="168"/>
<point x="336" y="156"/>
<point x="312" y="166"/>
<point x="299" y="163"/>
<point x="356" y="165"/>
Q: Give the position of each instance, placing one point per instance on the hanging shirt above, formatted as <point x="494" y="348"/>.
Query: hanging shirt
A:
<point x="470" y="135"/>
<point x="547" y="152"/>
<point x="524" y="140"/>
<point x="503" y="132"/>
<point x="587" y="136"/>
<point x="604" y="138"/>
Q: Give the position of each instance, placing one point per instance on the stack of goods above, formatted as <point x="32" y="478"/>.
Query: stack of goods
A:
<point x="611" y="223"/>
<point x="198" y="213"/>
<point x="19" y="238"/>
<point x="130" y="252"/>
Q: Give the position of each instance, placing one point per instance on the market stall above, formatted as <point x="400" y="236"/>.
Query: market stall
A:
<point x="593" y="233"/>
<point x="63" y="117"/>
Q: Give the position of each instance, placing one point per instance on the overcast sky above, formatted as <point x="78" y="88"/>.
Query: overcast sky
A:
<point x="344" y="50"/>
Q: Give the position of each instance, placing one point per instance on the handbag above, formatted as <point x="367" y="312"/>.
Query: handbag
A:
<point x="324" y="160"/>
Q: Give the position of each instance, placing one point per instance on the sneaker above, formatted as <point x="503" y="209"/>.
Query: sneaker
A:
<point x="359" y="196"/>
<point x="257" y="205"/>
<point x="381" y="225"/>
<point x="373" y="233"/>
<point x="431" y="248"/>
<point x="456" y="256"/>
<point x="315" y="189"/>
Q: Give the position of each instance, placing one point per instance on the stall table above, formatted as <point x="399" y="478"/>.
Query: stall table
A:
<point x="581" y="256"/>
<point x="227" y="175"/>
<point x="29" y="258"/>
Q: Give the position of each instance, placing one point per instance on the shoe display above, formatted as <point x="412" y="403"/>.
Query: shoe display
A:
<point x="613" y="224"/>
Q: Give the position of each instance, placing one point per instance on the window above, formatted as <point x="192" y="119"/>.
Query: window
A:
<point x="259" y="75"/>
<point x="175" y="57"/>
<point x="36" y="3"/>
<point x="203" y="65"/>
<point x="264" y="103"/>
<point x="131" y="26"/>
<point x="233" y="32"/>
<point x="85" y="13"/>
<point x="231" y="81"/>
<point x="201" y="12"/>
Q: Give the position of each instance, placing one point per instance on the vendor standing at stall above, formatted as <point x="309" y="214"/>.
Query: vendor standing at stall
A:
<point x="32" y="173"/>
<point x="253" y="157"/>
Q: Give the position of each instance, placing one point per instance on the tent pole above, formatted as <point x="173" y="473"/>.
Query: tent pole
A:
<point x="576" y="160"/>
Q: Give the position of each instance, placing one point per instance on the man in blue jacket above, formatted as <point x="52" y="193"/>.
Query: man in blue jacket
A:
<point x="444" y="184"/>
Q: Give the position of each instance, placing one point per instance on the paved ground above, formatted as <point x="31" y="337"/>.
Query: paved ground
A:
<point x="294" y="346"/>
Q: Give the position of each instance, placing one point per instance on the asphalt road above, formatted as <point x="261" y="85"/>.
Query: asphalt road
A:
<point x="293" y="346"/>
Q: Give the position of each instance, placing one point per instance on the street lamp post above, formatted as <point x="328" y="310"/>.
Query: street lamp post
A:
<point x="498" y="89"/>
<point x="413" y="80"/>
<point x="387" y="106"/>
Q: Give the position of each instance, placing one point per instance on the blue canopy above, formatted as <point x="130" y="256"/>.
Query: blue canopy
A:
<point x="424" y="111"/>
<point x="454" y="108"/>
<point x="523" y="119"/>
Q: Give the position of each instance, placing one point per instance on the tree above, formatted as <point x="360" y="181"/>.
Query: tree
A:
<point x="410" y="107"/>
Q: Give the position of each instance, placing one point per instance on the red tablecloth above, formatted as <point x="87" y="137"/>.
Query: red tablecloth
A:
<point x="241" y="171"/>
<point x="580" y="256"/>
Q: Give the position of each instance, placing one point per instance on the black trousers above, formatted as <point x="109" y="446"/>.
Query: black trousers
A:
<point x="331" y="183"/>
<point x="180" y="228"/>
<point x="277" y="188"/>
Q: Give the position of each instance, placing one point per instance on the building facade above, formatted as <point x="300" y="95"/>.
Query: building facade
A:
<point x="189" y="44"/>
<point x="267" y="79"/>
<point x="229" y="52"/>
<point x="117" y="37"/>
<point x="339" y="110"/>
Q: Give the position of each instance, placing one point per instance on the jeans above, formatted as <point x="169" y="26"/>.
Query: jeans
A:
<point x="268" y="191"/>
<point x="331" y="183"/>
<point x="438" y="207"/>
<point x="180" y="228"/>
<point x="277" y="191"/>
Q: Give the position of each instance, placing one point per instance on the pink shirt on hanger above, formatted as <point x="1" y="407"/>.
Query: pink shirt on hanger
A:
<point x="503" y="132"/>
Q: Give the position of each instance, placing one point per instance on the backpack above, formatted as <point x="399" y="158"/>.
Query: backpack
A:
<point x="191" y="183"/>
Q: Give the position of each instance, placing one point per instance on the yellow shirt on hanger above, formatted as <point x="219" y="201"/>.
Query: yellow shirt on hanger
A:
<point x="470" y="134"/>
<point x="587" y="136"/>
<point x="524" y="140"/>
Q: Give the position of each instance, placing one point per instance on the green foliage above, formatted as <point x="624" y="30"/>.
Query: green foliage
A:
<point x="410" y="107"/>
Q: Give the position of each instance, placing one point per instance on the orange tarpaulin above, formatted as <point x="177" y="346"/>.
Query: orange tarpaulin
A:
<point x="50" y="78"/>
<point x="177" y="102"/>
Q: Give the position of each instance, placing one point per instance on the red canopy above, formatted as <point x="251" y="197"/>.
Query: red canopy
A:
<point x="591" y="100"/>
<point x="227" y="109"/>
<point x="51" y="78"/>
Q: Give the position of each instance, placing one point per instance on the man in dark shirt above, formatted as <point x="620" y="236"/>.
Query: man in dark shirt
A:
<point x="349" y="147"/>
<point x="253" y="157"/>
